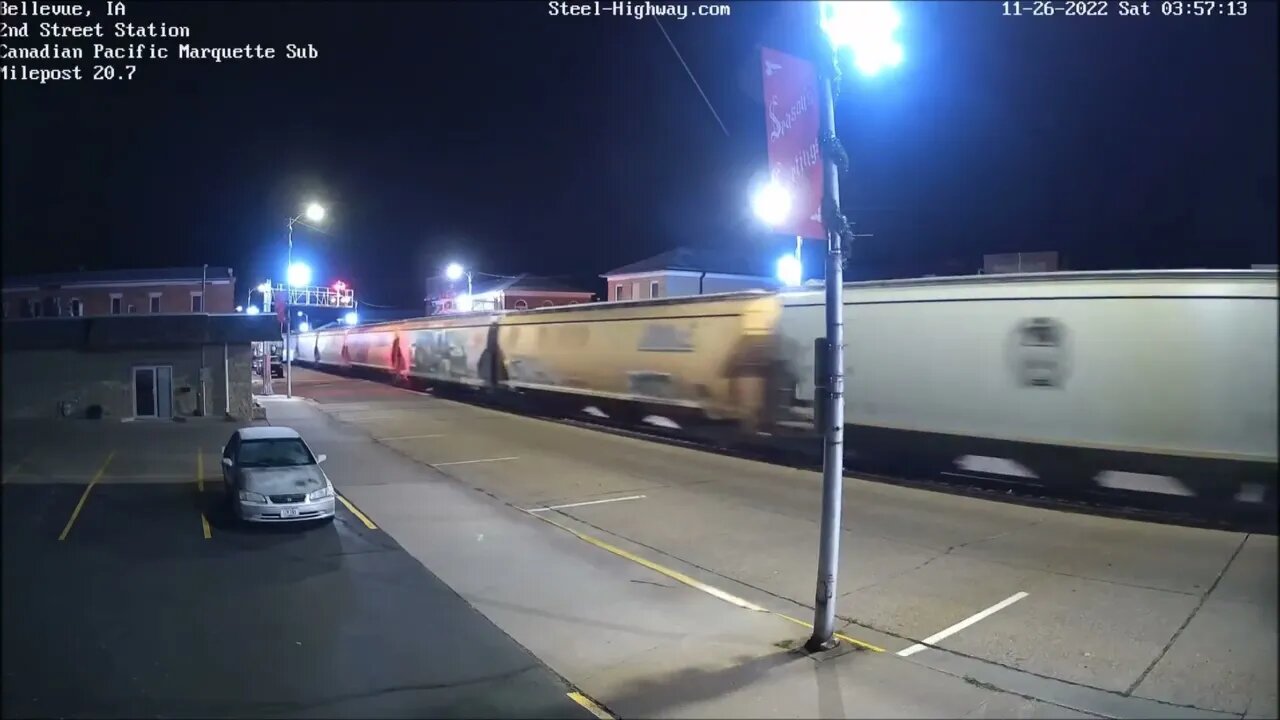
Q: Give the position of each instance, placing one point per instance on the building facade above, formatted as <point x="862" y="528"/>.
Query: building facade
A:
<point x="154" y="291"/>
<point x="132" y="367"/>
<point x="685" y="271"/>
<point x="520" y="293"/>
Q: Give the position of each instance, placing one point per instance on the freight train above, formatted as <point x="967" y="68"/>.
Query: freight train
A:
<point x="1126" y="385"/>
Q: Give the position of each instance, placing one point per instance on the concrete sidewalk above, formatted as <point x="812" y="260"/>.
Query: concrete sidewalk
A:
<point x="638" y="641"/>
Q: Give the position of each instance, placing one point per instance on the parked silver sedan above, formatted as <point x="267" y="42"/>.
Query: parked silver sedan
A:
<point x="271" y="475"/>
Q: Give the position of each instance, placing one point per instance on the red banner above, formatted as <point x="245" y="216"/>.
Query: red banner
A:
<point x="791" y="119"/>
<point x="282" y="307"/>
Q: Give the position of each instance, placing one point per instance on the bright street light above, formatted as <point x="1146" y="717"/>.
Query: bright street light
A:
<point x="866" y="28"/>
<point x="299" y="275"/>
<point x="350" y="318"/>
<point x="303" y="326"/>
<point x="252" y="310"/>
<point x="315" y="212"/>
<point x="789" y="270"/>
<point x="239" y="308"/>
<point x="464" y="303"/>
<point x="453" y="271"/>
<point x="264" y="287"/>
<point x="771" y="203"/>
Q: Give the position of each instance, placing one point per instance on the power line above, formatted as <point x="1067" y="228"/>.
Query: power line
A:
<point x="691" y="77"/>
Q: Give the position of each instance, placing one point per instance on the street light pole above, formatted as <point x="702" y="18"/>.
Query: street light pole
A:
<point x="832" y="417"/>
<point x="288" y="317"/>
<point x="867" y="29"/>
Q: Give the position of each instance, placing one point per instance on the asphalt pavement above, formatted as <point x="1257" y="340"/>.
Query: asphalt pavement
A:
<point x="1079" y="613"/>
<point x="128" y="592"/>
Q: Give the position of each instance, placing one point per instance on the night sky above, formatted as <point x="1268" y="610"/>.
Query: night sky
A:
<point x="515" y="142"/>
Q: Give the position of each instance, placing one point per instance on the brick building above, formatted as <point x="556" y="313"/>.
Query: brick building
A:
<point x="687" y="271"/>
<point x="520" y="293"/>
<point x="133" y="366"/>
<point x="121" y="292"/>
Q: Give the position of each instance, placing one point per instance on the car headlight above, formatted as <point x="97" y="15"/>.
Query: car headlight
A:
<point x="322" y="493"/>
<point x="253" y="497"/>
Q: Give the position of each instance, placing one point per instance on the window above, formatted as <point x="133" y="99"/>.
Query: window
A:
<point x="274" y="452"/>
<point x="35" y="308"/>
<point x="116" y="303"/>
<point x="52" y="307"/>
<point x="77" y="308"/>
<point x="132" y="308"/>
<point x="617" y="292"/>
<point x="197" y="302"/>
<point x="155" y="303"/>
<point x="522" y="305"/>
<point x="653" y="288"/>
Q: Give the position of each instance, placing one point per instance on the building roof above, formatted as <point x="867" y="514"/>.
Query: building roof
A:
<point x="121" y="332"/>
<point x="267" y="432"/>
<point x="106" y="277"/>
<point x="695" y="260"/>
<point x="530" y="284"/>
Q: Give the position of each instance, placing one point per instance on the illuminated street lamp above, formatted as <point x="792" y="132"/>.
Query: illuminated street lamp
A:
<point x="454" y="271"/>
<point x="867" y="30"/>
<point x="252" y="310"/>
<point x="771" y="203"/>
<point x="789" y="271"/>
<point x="350" y="318"/>
<point x="298" y="275"/>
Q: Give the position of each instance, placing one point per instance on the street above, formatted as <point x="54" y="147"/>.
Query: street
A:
<point x="1100" y="614"/>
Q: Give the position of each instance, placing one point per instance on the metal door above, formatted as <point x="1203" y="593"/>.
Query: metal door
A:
<point x="144" y="392"/>
<point x="164" y="391"/>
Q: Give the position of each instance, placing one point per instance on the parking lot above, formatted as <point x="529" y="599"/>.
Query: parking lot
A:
<point x="1111" y="616"/>
<point x="128" y="592"/>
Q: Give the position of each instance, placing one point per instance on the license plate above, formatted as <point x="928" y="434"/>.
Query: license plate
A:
<point x="288" y="512"/>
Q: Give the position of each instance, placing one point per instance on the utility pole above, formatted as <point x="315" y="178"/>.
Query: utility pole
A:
<point x="832" y="418"/>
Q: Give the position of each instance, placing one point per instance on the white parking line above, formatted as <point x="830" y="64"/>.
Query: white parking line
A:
<point x="962" y="625"/>
<point x="410" y="437"/>
<point x="468" y="462"/>
<point x="581" y="504"/>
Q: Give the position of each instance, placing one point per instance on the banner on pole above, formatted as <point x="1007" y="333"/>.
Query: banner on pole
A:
<point x="791" y="120"/>
<point x="282" y="307"/>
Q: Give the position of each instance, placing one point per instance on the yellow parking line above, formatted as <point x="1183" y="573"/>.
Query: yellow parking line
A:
<point x="14" y="470"/>
<point x="204" y="523"/>
<point x="354" y="511"/>
<point x="590" y="705"/>
<point x="696" y="584"/>
<point x="76" y="513"/>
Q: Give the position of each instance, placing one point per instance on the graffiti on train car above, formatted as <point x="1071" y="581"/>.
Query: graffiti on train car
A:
<point x="437" y="353"/>
<point x="665" y="337"/>
<point x="522" y="369"/>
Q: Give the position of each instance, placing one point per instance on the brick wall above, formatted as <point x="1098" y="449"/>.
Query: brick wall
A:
<point x="36" y="382"/>
<point x="174" y="298"/>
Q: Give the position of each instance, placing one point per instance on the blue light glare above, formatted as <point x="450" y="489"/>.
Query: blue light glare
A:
<point x="790" y="271"/>
<point x="350" y="318"/>
<point x="867" y="29"/>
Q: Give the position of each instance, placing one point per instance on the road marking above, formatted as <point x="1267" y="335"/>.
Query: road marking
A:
<point x="355" y="511"/>
<point x="590" y="705"/>
<point x="581" y="504"/>
<point x="85" y="496"/>
<point x="839" y="636"/>
<point x="468" y="462"/>
<point x="924" y="645"/>
<point x="14" y="470"/>
<point x="204" y="525"/>
<point x="410" y="437"/>
<point x="695" y="584"/>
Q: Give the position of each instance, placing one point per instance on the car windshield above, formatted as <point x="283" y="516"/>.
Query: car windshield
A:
<point x="278" y="452"/>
